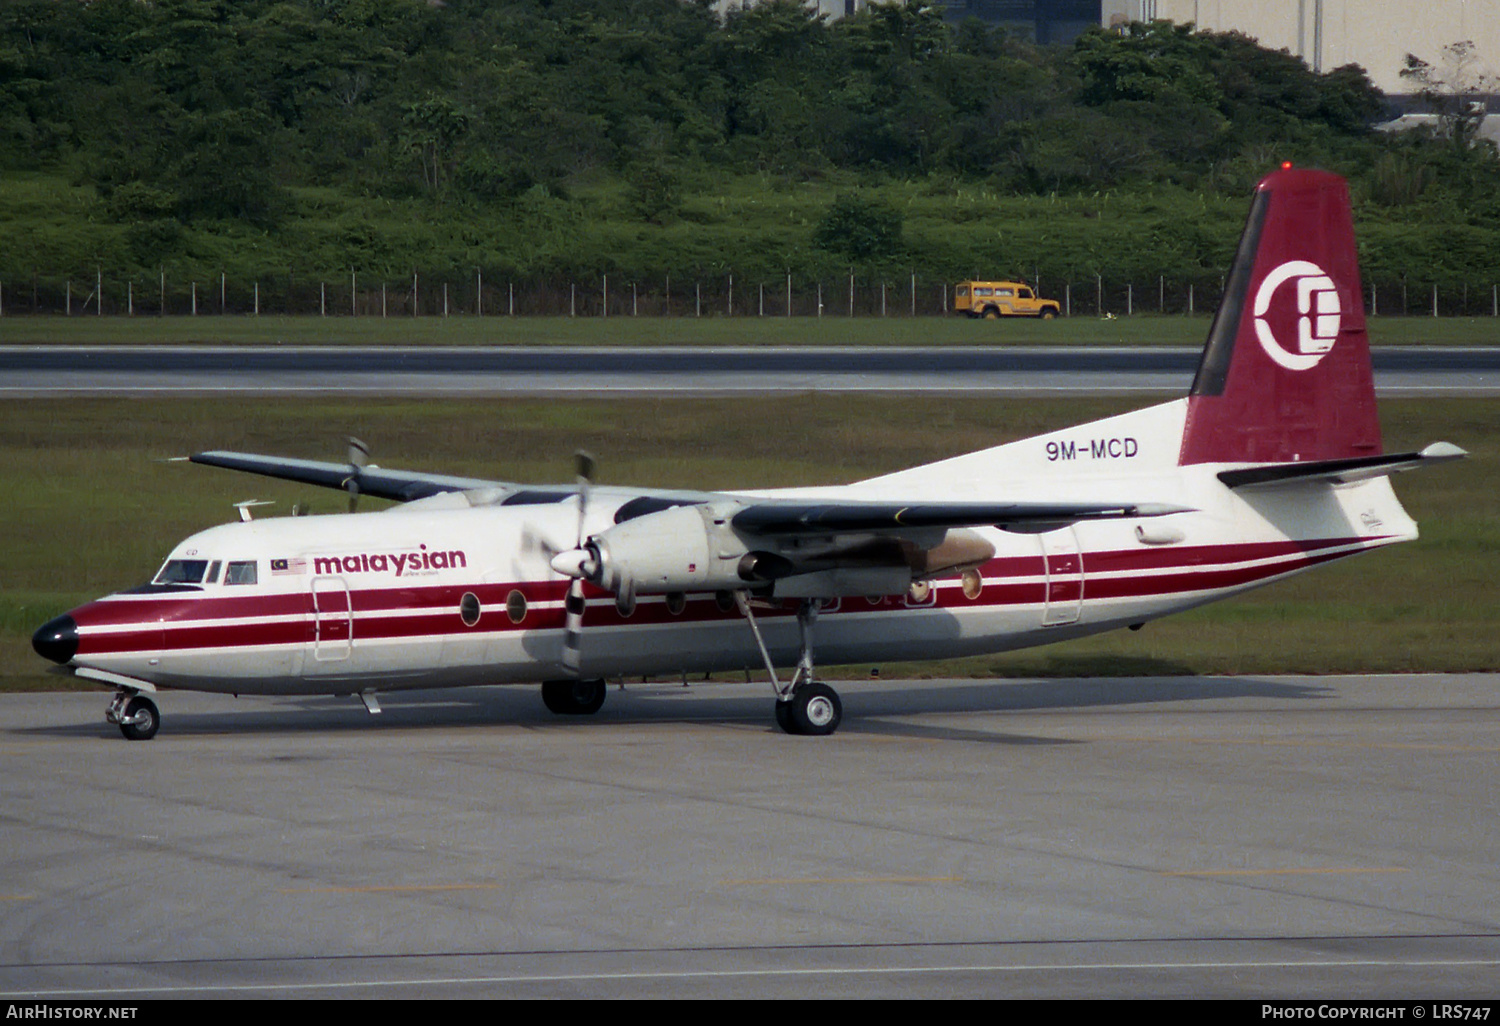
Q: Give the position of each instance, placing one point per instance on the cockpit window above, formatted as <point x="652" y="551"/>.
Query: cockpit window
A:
<point x="182" y="571"/>
<point x="240" y="572"/>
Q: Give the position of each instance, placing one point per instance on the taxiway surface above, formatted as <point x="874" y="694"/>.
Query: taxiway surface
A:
<point x="1249" y="837"/>
<point x="728" y="371"/>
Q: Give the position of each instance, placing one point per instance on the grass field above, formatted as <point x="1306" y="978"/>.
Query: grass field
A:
<point x="90" y="507"/>
<point x="674" y="331"/>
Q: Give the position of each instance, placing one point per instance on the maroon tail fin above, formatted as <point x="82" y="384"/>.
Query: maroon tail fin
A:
<point x="1286" y="373"/>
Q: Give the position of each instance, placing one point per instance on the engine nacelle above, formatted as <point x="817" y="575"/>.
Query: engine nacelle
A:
<point x="684" y="548"/>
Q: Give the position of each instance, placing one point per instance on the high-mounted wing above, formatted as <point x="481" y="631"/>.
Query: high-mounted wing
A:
<point x="400" y="485"/>
<point x="783" y="518"/>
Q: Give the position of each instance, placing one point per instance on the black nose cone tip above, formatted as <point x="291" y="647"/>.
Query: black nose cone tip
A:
<point x="57" y="640"/>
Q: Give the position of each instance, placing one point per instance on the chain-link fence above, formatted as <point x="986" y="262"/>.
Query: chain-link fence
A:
<point x="476" y="293"/>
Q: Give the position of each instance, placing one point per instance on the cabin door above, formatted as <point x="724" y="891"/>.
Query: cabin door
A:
<point x="333" y="619"/>
<point x="1064" y="568"/>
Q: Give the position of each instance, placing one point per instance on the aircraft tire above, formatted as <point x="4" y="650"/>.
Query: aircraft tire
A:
<point x="146" y="729"/>
<point x="816" y="710"/>
<point x="784" y="718"/>
<point x="573" y="697"/>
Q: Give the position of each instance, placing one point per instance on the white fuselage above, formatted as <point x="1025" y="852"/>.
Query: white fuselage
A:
<point x="441" y="593"/>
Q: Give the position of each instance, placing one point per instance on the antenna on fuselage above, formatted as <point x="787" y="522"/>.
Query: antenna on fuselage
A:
<point x="244" y="507"/>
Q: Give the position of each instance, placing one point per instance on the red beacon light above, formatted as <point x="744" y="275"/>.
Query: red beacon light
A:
<point x="1286" y="165"/>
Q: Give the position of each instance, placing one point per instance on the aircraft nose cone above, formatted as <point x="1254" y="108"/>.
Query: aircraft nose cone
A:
<point x="57" y="639"/>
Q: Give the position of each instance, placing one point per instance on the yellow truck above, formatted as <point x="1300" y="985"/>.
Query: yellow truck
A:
<point x="992" y="299"/>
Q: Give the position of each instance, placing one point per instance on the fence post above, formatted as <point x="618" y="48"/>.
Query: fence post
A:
<point x="129" y="299"/>
<point x="98" y="292"/>
<point x="161" y="311"/>
<point x="820" y="299"/>
<point x="604" y="306"/>
<point x="478" y="292"/>
<point x="353" y="293"/>
<point x="1161" y="293"/>
<point x="635" y="300"/>
<point x="322" y="299"/>
<point x="697" y="299"/>
<point x="1098" y="295"/>
<point x="223" y="294"/>
<point x="511" y="307"/>
<point x="68" y="298"/>
<point x="851" y="292"/>
<point x="195" y="299"/>
<point x="882" y="298"/>
<point x="913" y="293"/>
<point x="414" y="293"/>
<point x="445" y="299"/>
<point x="789" y="293"/>
<point x="731" y="296"/>
<point x="1373" y="298"/>
<point x="1190" y="298"/>
<point x="1129" y="299"/>
<point x="1067" y="300"/>
<point x="1434" y="299"/>
<point x="761" y="310"/>
<point x="257" y="297"/>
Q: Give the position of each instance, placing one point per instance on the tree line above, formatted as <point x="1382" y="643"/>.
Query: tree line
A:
<point x="568" y="136"/>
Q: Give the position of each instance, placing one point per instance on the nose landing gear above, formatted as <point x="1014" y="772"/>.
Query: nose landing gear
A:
<point x="135" y="715"/>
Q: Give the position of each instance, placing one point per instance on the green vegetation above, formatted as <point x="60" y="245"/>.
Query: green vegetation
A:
<point x="91" y="507"/>
<point x="771" y="330"/>
<point x="290" y="144"/>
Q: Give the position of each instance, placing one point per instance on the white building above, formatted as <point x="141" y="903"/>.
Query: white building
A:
<point x="1375" y="34"/>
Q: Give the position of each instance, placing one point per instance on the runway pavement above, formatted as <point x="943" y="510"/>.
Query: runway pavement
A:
<point x="1258" y="837"/>
<point x="488" y="371"/>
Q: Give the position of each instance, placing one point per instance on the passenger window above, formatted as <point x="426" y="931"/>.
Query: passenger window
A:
<point x="240" y="572"/>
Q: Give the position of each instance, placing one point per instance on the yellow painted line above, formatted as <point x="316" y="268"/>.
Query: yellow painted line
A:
<point x="841" y="880"/>
<point x="397" y="888"/>
<point x="16" y="897"/>
<point x="1332" y="870"/>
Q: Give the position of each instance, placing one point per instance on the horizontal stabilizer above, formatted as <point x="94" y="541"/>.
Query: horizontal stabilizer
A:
<point x="825" y="517"/>
<point x="1345" y="471"/>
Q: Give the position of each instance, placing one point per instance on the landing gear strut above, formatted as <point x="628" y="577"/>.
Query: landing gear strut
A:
<point x="573" y="697"/>
<point x="135" y="715"/>
<point x="803" y="705"/>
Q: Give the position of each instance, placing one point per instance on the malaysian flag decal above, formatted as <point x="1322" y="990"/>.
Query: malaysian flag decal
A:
<point x="281" y="567"/>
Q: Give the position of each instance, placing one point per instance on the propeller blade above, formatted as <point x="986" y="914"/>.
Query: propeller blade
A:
<point x="584" y="464"/>
<point x="359" y="456"/>
<point x="573" y="605"/>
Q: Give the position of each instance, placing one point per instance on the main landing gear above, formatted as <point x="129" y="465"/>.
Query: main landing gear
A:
<point x="135" y="715"/>
<point x="573" y="697"/>
<point x="803" y="705"/>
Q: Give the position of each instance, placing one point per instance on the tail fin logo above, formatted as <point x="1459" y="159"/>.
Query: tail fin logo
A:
<point x="1318" y="314"/>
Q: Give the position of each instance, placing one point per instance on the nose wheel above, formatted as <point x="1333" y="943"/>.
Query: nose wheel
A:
<point x="135" y="715"/>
